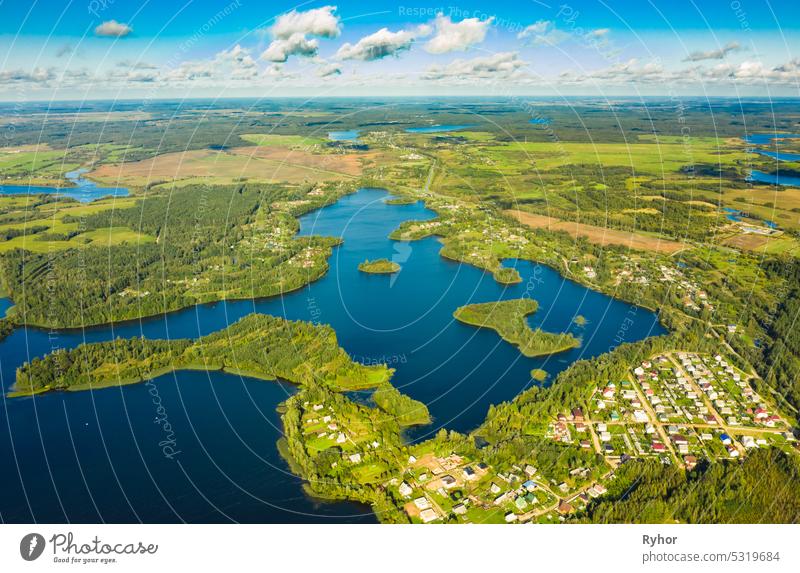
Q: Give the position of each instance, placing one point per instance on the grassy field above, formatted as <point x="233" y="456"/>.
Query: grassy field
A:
<point x="267" y="164"/>
<point x="599" y="235"/>
<point x="51" y="216"/>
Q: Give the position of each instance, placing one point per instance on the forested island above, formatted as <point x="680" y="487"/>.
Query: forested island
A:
<point x="258" y="345"/>
<point x="379" y="267"/>
<point x="508" y="319"/>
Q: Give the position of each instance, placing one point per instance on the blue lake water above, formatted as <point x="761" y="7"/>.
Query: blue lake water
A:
<point x="539" y="121"/>
<point x="94" y="456"/>
<point x="438" y="128"/>
<point x="5" y="304"/>
<point x="775" y="141"/>
<point x="773" y="179"/>
<point x="733" y="214"/>
<point x="84" y="191"/>
<point x="350" y="135"/>
<point x="779" y="155"/>
<point x="768" y="138"/>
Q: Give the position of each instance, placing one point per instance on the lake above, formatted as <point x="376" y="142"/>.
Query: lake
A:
<point x="92" y="456"/>
<point x="84" y="191"/>
<point x="350" y="135"/>
<point x="773" y="179"/>
<point x="438" y="128"/>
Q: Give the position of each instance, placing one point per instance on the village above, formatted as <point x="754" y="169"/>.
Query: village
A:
<point x="677" y="407"/>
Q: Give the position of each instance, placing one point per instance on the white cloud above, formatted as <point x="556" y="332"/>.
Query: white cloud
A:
<point x="290" y="33"/>
<point x="328" y="70"/>
<point x="320" y="22"/>
<point x="545" y="33"/>
<point x="456" y="36"/>
<point x="295" y="45"/>
<point x="599" y="33"/>
<point x="113" y="29"/>
<point x="500" y="65"/>
<point x="717" y="54"/>
<point x="234" y="64"/>
<point x="37" y="75"/>
<point x="381" y="44"/>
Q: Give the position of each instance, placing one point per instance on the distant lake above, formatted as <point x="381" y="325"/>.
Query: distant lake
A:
<point x="773" y="140"/>
<point x="438" y="128"/>
<point x="773" y="179"/>
<point x="539" y="121"/>
<point x="350" y="135"/>
<point x="768" y="138"/>
<point x="94" y="456"/>
<point x="779" y="155"/>
<point x="84" y="191"/>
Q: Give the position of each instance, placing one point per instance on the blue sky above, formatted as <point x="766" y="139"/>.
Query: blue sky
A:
<point x="122" y="48"/>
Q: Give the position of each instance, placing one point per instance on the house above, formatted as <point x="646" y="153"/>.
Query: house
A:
<point x="658" y="447"/>
<point x="520" y="503"/>
<point x="448" y="481"/>
<point x="511" y="517"/>
<point x="577" y="414"/>
<point x="405" y="490"/>
<point x="494" y="488"/>
<point x="412" y="460"/>
<point x="469" y="473"/>
<point x="530" y="470"/>
<point x="355" y="458"/>
<point x="460" y="509"/>
<point x="640" y="416"/>
<point x="428" y="515"/>
<point x="422" y="502"/>
<point x="564" y="508"/>
<point x="690" y="461"/>
<point x="529" y="485"/>
<point x="725" y="439"/>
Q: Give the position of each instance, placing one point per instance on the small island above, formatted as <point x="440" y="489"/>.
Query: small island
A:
<point x="379" y="267"/>
<point x="507" y="318"/>
<point x="539" y="375"/>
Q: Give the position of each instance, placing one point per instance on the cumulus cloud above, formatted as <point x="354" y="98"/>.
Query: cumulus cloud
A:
<point x="132" y="64"/>
<point x="113" y="29"/>
<point x="234" y="64"/>
<point x="500" y="65"/>
<point x="320" y="22"/>
<point x="37" y="75"/>
<point x="457" y="36"/>
<point x="291" y="31"/>
<point x="545" y="33"/>
<point x="329" y="70"/>
<point x="295" y="45"/>
<point x="381" y="44"/>
<point x="713" y="54"/>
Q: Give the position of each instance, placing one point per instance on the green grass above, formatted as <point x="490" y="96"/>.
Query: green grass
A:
<point x="272" y="140"/>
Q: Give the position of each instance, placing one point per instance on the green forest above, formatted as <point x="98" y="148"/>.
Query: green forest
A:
<point x="508" y="319"/>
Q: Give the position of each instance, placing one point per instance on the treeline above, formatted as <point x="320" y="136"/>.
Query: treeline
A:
<point x="406" y="410"/>
<point x="207" y="248"/>
<point x="764" y="488"/>
<point x="257" y="345"/>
